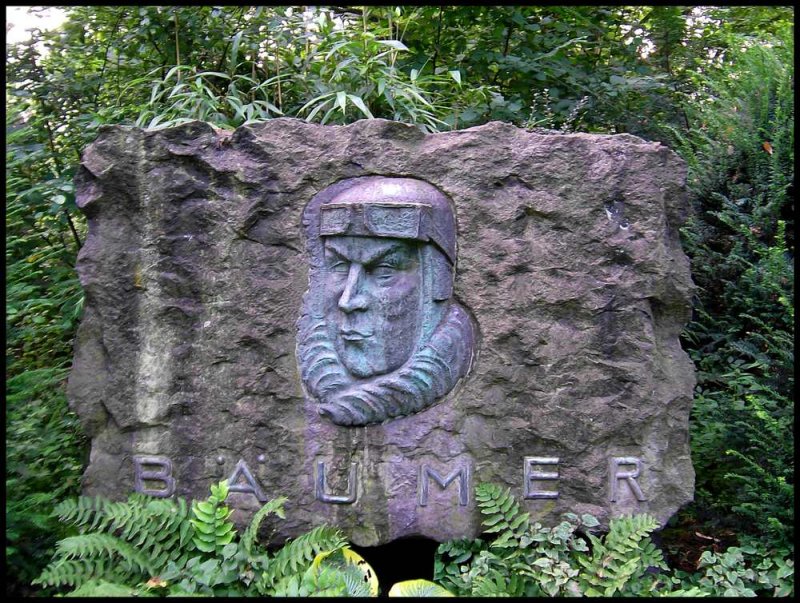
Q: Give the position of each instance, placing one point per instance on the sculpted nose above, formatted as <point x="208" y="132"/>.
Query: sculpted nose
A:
<point x="352" y="297"/>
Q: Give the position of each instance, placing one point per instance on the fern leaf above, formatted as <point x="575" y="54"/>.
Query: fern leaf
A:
<point x="71" y="572"/>
<point x="93" y="545"/>
<point x="619" y="557"/>
<point x="103" y="588"/>
<point x="297" y="554"/>
<point x="249" y="537"/>
<point x="503" y="512"/>
<point x="491" y="585"/>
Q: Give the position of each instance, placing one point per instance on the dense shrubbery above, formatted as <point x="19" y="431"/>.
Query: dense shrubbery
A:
<point x="149" y="546"/>
<point x="741" y="241"/>
<point x="164" y="547"/>
<point x="716" y="85"/>
<point x="525" y="559"/>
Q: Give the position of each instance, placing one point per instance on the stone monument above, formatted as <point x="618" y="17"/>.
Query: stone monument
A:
<point x="370" y="321"/>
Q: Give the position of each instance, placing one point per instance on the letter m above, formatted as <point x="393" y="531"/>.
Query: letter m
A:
<point x="462" y="474"/>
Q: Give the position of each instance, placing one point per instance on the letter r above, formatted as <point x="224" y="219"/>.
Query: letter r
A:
<point x="615" y="475"/>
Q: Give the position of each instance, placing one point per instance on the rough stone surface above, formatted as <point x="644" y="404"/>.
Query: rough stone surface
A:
<point x="569" y="262"/>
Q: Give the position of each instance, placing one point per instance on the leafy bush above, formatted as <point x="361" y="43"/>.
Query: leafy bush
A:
<point x="728" y="575"/>
<point x="741" y="162"/>
<point x="716" y="83"/>
<point x="527" y="559"/>
<point x="160" y="546"/>
<point x="44" y="443"/>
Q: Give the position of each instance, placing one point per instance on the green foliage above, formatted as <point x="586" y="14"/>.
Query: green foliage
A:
<point x="44" y="446"/>
<point x="101" y="588"/>
<point x="623" y="556"/>
<point x="158" y="546"/>
<point x="527" y="559"/>
<point x="297" y="555"/>
<point x="743" y="572"/>
<point x="43" y="464"/>
<point x="740" y="239"/>
<point x="324" y="582"/>
<point x="212" y="527"/>
<point x="119" y="541"/>
<point x="418" y="588"/>
<point x="340" y="572"/>
<point x="715" y="83"/>
<point x="503" y="515"/>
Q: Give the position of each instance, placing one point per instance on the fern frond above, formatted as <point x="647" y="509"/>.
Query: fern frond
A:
<point x="103" y="588"/>
<point x="250" y="534"/>
<point x="354" y="582"/>
<point x="80" y="511"/>
<point x="625" y="532"/>
<point x="619" y="557"/>
<point x="96" y="545"/>
<point x="212" y="526"/>
<point x="297" y="554"/>
<point x="493" y="584"/>
<point x="503" y="514"/>
<point x="155" y="530"/>
<point x="75" y="572"/>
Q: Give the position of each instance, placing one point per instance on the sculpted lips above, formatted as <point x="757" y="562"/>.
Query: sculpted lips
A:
<point x="352" y="335"/>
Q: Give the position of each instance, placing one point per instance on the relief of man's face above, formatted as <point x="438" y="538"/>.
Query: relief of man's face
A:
<point x="373" y="301"/>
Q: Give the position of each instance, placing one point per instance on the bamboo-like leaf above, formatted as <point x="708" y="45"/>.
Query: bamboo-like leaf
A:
<point x="316" y="99"/>
<point x="235" y="51"/>
<point x="358" y="102"/>
<point x="396" y="44"/>
<point x="203" y="74"/>
<point x="328" y="114"/>
<point x="317" y="109"/>
<point x="341" y="99"/>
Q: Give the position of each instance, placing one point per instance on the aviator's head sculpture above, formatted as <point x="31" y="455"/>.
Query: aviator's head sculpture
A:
<point x="380" y="335"/>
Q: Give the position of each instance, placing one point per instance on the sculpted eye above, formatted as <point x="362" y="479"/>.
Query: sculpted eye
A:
<point x="339" y="266"/>
<point x="384" y="271"/>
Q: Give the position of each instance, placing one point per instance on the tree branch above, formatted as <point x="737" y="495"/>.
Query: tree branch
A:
<point x="71" y="224"/>
<point x="105" y="59"/>
<point x="224" y="54"/>
<point x="438" y="37"/>
<point x="509" y="30"/>
<point x="157" y="47"/>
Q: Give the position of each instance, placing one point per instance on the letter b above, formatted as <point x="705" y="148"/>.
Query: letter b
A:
<point x="164" y="475"/>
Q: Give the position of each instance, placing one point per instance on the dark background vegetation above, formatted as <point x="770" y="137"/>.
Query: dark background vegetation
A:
<point x="714" y="84"/>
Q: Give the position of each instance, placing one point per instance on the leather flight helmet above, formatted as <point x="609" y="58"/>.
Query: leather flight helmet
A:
<point x="404" y="208"/>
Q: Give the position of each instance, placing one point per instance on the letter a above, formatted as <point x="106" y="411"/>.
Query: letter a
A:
<point x="251" y="487"/>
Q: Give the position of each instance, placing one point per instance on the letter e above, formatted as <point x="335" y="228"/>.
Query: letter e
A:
<point x="531" y="475"/>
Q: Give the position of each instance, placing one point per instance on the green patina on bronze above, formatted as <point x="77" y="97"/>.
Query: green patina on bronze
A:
<point x="380" y="335"/>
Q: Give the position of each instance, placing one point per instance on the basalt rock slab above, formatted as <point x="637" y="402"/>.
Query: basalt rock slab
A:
<point x="567" y="380"/>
